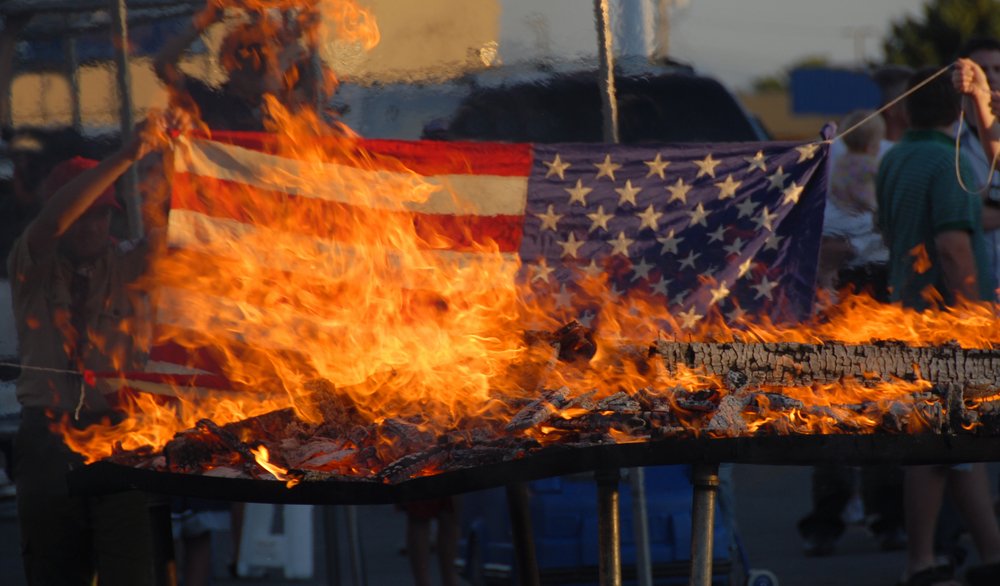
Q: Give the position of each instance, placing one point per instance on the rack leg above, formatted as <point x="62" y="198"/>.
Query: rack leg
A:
<point x="609" y="562"/>
<point x="524" y="540"/>
<point x="705" y="481"/>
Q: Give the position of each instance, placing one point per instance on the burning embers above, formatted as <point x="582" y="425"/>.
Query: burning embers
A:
<point x="691" y="390"/>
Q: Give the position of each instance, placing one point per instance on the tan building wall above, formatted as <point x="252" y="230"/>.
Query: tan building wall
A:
<point x="430" y="40"/>
<point x="774" y="109"/>
<point x="427" y="40"/>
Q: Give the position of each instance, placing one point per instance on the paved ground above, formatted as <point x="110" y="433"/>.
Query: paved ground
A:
<point x="769" y="500"/>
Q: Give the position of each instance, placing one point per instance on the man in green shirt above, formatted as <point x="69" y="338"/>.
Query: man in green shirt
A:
<point x="933" y="226"/>
<point x="937" y="254"/>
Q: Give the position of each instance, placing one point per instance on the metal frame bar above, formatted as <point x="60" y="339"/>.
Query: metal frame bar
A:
<point x="705" y="485"/>
<point x="522" y="534"/>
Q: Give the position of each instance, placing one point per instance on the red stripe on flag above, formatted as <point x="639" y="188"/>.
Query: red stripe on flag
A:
<point x="237" y="201"/>
<point x="209" y="381"/>
<point x="426" y="157"/>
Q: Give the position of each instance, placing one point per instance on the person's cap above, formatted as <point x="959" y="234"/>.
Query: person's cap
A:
<point x="69" y="170"/>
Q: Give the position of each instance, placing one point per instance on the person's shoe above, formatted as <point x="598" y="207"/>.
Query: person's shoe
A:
<point x="7" y="487"/>
<point x="818" y="546"/>
<point x="854" y="512"/>
<point x="983" y="575"/>
<point x="892" y="539"/>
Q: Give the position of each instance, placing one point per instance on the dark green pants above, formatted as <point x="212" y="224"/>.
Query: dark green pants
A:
<point x="66" y="540"/>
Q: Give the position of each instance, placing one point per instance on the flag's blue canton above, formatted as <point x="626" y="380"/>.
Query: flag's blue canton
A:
<point x="732" y="227"/>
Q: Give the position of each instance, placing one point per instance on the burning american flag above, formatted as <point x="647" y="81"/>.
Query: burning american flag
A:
<point x="730" y="228"/>
<point x="399" y="271"/>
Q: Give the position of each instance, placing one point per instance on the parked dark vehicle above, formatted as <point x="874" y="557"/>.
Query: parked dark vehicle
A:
<point x="669" y="106"/>
<point x="664" y="106"/>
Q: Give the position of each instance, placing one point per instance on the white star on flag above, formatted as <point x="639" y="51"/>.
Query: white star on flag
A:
<point x="690" y="259"/>
<point x="649" y="218"/>
<point x="728" y="187"/>
<point x="563" y="298"/>
<point x="777" y="180"/>
<point x="556" y="167"/>
<point x="764" y="288"/>
<point x="719" y="235"/>
<point x="773" y="242"/>
<point x="549" y="219"/>
<point x="745" y="267"/>
<point x="642" y="270"/>
<point x="592" y="270"/>
<point x="571" y="246"/>
<point x="736" y="314"/>
<point x="620" y="245"/>
<point x="660" y="287"/>
<point x="746" y="208"/>
<point x="719" y="293"/>
<point x="607" y="168"/>
<point x="707" y="166"/>
<point x="657" y="166"/>
<point x="765" y="219"/>
<point x="542" y="271"/>
<point x="698" y="215"/>
<point x="735" y="247"/>
<point x="578" y="193"/>
<point x="806" y="152"/>
<point x="756" y="162"/>
<point x="599" y="219"/>
<point x="679" y="191"/>
<point x="690" y="318"/>
<point x="792" y="194"/>
<point x="627" y="193"/>
<point x="669" y="243"/>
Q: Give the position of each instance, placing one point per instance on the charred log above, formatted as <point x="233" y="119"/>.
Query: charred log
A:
<point x="539" y="410"/>
<point x="789" y="363"/>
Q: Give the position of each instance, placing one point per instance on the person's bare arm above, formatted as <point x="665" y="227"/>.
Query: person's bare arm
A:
<point x="991" y="217"/>
<point x="969" y="79"/>
<point x="958" y="263"/>
<point x="165" y="62"/>
<point x="70" y="201"/>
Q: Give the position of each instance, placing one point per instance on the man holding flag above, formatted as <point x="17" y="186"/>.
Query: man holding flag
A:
<point x="75" y="313"/>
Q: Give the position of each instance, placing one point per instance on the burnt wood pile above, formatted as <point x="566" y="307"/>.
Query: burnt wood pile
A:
<point x="748" y="396"/>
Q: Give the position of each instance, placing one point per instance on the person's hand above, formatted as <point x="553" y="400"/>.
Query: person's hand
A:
<point x="968" y="78"/>
<point x="157" y="132"/>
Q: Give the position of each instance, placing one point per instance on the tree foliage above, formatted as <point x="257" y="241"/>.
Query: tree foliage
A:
<point x="935" y="34"/>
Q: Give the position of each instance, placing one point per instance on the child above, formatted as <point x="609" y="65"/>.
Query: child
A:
<point x="850" y="240"/>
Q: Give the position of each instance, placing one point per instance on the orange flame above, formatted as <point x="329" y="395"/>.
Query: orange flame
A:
<point x="262" y="457"/>
<point x="378" y="321"/>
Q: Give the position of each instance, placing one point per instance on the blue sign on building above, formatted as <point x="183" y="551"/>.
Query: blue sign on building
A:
<point x="825" y="91"/>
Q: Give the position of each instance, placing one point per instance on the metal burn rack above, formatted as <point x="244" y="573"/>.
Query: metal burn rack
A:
<point x="956" y="420"/>
<point x="605" y="461"/>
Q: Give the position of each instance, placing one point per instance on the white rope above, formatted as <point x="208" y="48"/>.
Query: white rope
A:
<point x="892" y="103"/>
<point x="958" y="172"/>
<point x="958" y="134"/>
<point x="83" y="381"/>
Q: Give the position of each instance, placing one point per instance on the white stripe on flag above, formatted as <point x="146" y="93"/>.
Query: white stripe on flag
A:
<point x="297" y="253"/>
<point x="484" y="195"/>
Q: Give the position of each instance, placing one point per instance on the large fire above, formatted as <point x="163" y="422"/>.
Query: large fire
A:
<point x="380" y="323"/>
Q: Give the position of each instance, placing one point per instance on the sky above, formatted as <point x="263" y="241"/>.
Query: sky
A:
<point x="737" y="41"/>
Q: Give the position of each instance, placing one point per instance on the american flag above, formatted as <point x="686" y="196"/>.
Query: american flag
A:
<point x="731" y="228"/>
